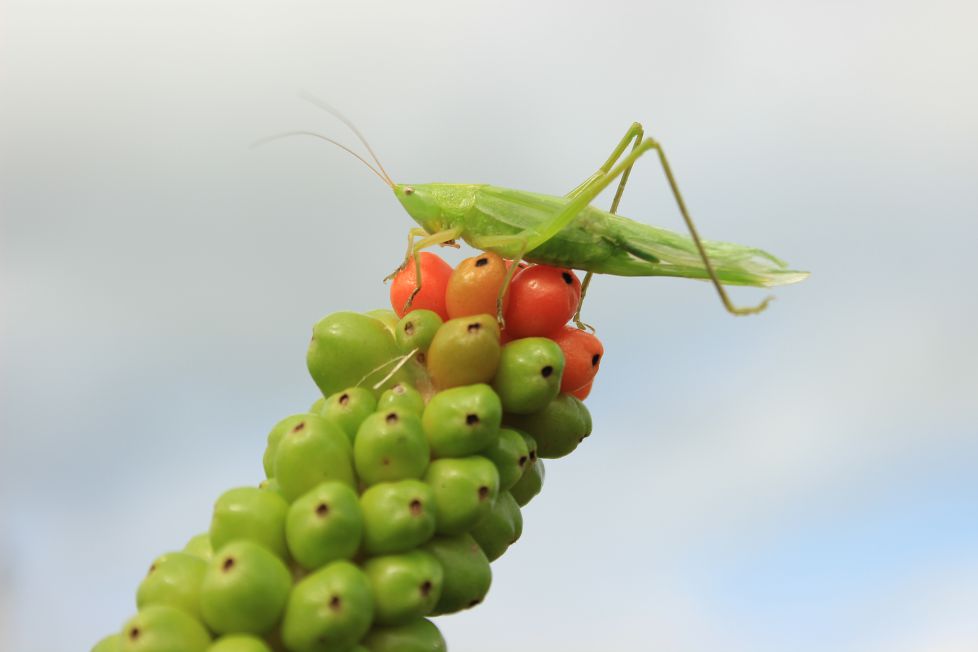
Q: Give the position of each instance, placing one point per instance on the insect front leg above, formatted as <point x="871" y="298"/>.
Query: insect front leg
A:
<point x="513" y="243"/>
<point x="439" y="238"/>
<point x="412" y="234"/>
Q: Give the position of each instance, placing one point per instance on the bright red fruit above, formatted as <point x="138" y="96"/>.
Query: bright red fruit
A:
<point x="582" y="357"/>
<point x="541" y="300"/>
<point x="583" y="392"/>
<point x="434" y="280"/>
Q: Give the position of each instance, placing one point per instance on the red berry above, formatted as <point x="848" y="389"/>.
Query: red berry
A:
<point x="541" y="300"/>
<point x="473" y="287"/>
<point x="434" y="281"/>
<point x="582" y="393"/>
<point x="582" y="357"/>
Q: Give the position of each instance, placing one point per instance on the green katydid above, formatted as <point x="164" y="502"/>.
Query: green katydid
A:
<point x="568" y="232"/>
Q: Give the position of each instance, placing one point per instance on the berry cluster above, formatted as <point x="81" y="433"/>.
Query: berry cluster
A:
<point x="385" y="503"/>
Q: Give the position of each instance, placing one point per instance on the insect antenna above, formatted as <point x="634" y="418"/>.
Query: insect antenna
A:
<point x="287" y="134"/>
<point x="342" y="118"/>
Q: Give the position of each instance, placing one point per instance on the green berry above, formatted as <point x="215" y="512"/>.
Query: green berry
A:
<point x="314" y="450"/>
<point x="200" y="546"/>
<point x="404" y="586"/>
<point x="239" y="643"/>
<point x="250" y="513"/>
<point x="464" y="351"/>
<point x="557" y="429"/>
<point x="274" y="437"/>
<point x="324" y="525"/>
<point x="330" y="609"/>
<point x="402" y="397"/>
<point x="416" y="329"/>
<point x="386" y="317"/>
<point x="419" y="635"/>
<point x="390" y="446"/>
<point x="467" y="572"/>
<point x="511" y="456"/>
<point x="349" y="349"/>
<point x="501" y="528"/>
<point x="462" y="420"/>
<point x="348" y="408"/>
<point x="318" y="405"/>
<point x="529" y="485"/>
<point x="244" y="589"/>
<point x="173" y="579"/>
<point x="529" y="374"/>
<point x="112" y="643"/>
<point x="397" y="516"/>
<point x="161" y="628"/>
<point x="271" y="485"/>
<point x="464" y="491"/>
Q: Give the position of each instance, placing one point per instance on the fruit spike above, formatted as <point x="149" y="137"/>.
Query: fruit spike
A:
<point x="385" y="502"/>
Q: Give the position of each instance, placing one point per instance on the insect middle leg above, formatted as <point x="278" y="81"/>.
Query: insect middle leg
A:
<point x="446" y="237"/>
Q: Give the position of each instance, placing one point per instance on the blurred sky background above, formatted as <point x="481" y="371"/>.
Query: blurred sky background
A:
<point x="804" y="480"/>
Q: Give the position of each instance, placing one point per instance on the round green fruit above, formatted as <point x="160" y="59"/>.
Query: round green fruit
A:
<point x="511" y="456"/>
<point x="462" y="420"/>
<point x="250" y="513"/>
<point x="501" y="528"/>
<point x="464" y="351"/>
<point x="348" y="409"/>
<point x="349" y="349"/>
<point x="200" y="546"/>
<point x="112" y="643"/>
<point x="464" y="490"/>
<point x="529" y="485"/>
<point x="419" y="635"/>
<point x="324" y="525"/>
<point x="405" y="586"/>
<point x="390" y="446"/>
<point x="558" y="428"/>
<point x="313" y="451"/>
<point x="173" y="579"/>
<point x="386" y="317"/>
<point x="416" y="329"/>
<point x="529" y="374"/>
<point x="161" y="628"/>
<point x="402" y="397"/>
<point x="467" y="572"/>
<point x="329" y="610"/>
<point x="239" y="643"/>
<point x="397" y="516"/>
<point x="244" y="589"/>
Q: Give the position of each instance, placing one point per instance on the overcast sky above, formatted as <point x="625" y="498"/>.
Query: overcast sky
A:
<point x="802" y="480"/>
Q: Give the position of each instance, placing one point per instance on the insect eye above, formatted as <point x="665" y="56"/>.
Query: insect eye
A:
<point x="408" y="190"/>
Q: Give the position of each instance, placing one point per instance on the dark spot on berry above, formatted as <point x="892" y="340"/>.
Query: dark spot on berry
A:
<point x="322" y="509"/>
<point x="134" y="634"/>
<point x="595" y="359"/>
<point x="152" y="568"/>
<point x="474" y="327"/>
<point x="568" y="279"/>
<point x="474" y="602"/>
<point x="398" y="389"/>
<point x="482" y="262"/>
<point x="299" y="426"/>
<point x="421" y="357"/>
<point x="533" y="456"/>
<point x="547" y="371"/>
<point x="391" y="417"/>
<point x="228" y="564"/>
<point x="344" y="399"/>
<point x="385" y="461"/>
<point x="471" y="419"/>
<point x="409" y="328"/>
<point x="416" y="507"/>
<point x="426" y="589"/>
<point x="483" y="492"/>
<point x="522" y="461"/>
<point x="335" y="603"/>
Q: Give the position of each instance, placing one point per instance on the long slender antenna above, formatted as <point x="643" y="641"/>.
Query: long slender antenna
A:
<point x="335" y="113"/>
<point x="287" y="134"/>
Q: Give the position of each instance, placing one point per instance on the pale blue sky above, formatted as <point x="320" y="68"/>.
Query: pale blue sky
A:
<point x="804" y="480"/>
